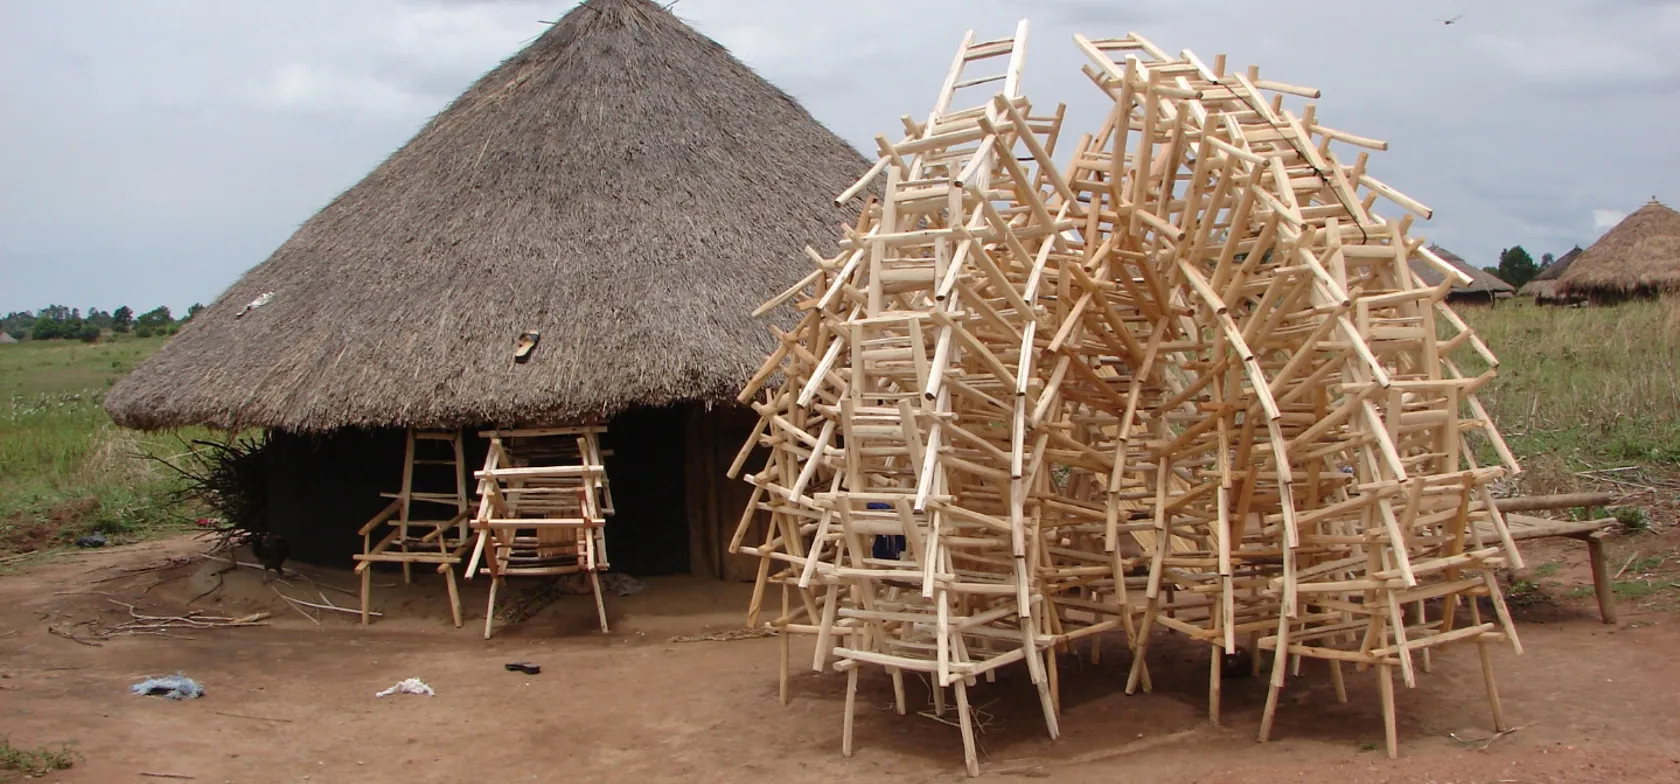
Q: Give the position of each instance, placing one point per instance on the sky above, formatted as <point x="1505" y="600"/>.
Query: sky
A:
<point x="151" y="152"/>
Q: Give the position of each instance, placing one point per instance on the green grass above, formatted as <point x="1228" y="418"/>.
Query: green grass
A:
<point x="1548" y="569"/>
<point x="1583" y="388"/>
<point x="35" y="762"/>
<point x="65" y="468"/>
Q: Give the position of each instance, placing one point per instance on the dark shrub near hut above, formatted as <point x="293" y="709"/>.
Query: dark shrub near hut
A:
<point x="623" y="186"/>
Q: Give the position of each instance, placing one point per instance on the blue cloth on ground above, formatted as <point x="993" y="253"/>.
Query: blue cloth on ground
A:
<point x="175" y="687"/>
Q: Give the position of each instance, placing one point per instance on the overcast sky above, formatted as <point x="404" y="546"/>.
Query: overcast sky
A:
<point x="150" y="152"/>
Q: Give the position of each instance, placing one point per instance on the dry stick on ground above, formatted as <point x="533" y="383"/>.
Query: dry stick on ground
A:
<point x="1626" y="565"/>
<point x="258" y="718"/>
<point x="328" y="606"/>
<point x="294" y="573"/>
<point x="167" y="775"/>
<point x="212" y="589"/>
<point x="295" y="606"/>
<point x="725" y="636"/>
<point x="1485" y="742"/>
<point x="161" y="624"/>
<point x="1019" y="766"/>
<point x="71" y="637"/>
<point x="170" y="563"/>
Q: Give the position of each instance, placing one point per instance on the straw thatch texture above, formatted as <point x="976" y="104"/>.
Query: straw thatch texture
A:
<point x="6" y="338"/>
<point x="623" y="185"/>
<point x="1481" y="286"/>
<point x="1544" y="287"/>
<point x="1640" y="256"/>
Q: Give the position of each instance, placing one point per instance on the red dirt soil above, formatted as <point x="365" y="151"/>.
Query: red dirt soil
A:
<point x="1593" y="703"/>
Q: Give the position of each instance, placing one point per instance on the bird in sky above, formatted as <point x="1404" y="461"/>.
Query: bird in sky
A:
<point x="1450" y="21"/>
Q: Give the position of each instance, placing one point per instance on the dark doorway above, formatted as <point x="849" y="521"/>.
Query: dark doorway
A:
<point x="648" y="534"/>
<point x="322" y="487"/>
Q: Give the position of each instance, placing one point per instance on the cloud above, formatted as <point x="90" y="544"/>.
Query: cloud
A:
<point x="311" y="87"/>
<point x="157" y="150"/>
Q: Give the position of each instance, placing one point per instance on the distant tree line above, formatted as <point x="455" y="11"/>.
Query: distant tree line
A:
<point x="57" y="322"/>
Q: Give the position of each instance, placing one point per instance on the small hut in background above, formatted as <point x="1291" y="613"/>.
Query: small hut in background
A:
<point x="6" y="338"/>
<point x="624" y="187"/>
<point x="1639" y="257"/>
<point x="1544" y="287"/>
<point x="1483" y="288"/>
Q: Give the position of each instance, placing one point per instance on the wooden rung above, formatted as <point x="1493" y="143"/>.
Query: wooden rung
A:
<point x="412" y="557"/>
<point x="989" y="50"/>
<point x="979" y="81"/>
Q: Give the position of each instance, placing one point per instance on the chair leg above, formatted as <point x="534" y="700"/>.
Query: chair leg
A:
<point x="786" y="646"/>
<point x="1138" y="675"/>
<point x="966" y="723"/>
<point x="1385" y="683"/>
<point x="454" y="594"/>
<point x="898" y="690"/>
<point x="1215" y="678"/>
<point x="1492" y="688"/>
<point x="1052" y="669"/>
<point x="1601" y="579"/>
<point x="600" y="606"/>
<point x="367" y="587"/>
<point x="851" y="709"/>
<point x="490" y="611"/>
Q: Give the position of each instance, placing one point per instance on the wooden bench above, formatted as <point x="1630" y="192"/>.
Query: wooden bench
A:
<point x="1592" y="532"/>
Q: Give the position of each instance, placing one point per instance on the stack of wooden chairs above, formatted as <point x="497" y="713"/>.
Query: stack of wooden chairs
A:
<point x="1188" y="381"/>
<point x="422" y="526"/>
<point x="543" y="508"/>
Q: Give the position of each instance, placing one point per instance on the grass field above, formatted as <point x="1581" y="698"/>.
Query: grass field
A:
<point x="1584" y="388"/>
<point x="65" y="469"/>
<point x="1578" y="389"/>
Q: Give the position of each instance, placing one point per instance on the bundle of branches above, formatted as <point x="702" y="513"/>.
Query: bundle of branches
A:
<point x="155" y="625"/>
<point x="227" y="478"/>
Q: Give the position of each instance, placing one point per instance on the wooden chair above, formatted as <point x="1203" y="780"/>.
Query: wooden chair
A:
<point x="543" y="510"/>
<point x="418" y="538"/>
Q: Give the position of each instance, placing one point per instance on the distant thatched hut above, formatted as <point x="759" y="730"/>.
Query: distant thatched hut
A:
<point x="623" y="185"/>
<point x="6" y="338"/>
<point x="1640" y="257"/>
<point x="1544" y="287"/>
<point x="1482" y="288"/>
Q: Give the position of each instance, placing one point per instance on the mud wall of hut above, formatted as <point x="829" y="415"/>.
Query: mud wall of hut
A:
<point x="676" y="511"/>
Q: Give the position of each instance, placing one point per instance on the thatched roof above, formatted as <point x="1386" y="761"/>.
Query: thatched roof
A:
<point x="1481" y="283"/>
<point x="1560" y="265"/>
<point x="624" y="185"/>
<point x="1545" y="285"/>
<point x="6" y="337"/>
<point x="1641" y="255"/>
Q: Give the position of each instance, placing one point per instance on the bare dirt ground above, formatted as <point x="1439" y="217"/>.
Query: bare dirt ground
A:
<point x="294" y="701"/>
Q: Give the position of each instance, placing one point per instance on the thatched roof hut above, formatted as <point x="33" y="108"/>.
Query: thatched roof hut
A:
<point x="1482" y="288"/>
<point x="1544" y="287"/>
<point x="1639" y="257"/>
<point x="6" y="338"/>
<point x="623" y="185"/>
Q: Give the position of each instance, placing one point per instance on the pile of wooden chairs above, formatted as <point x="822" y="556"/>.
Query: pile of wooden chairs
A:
<point x="539" y="508"/>
<point x="1188" y="381"/>
<point x="543" y="507"/>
